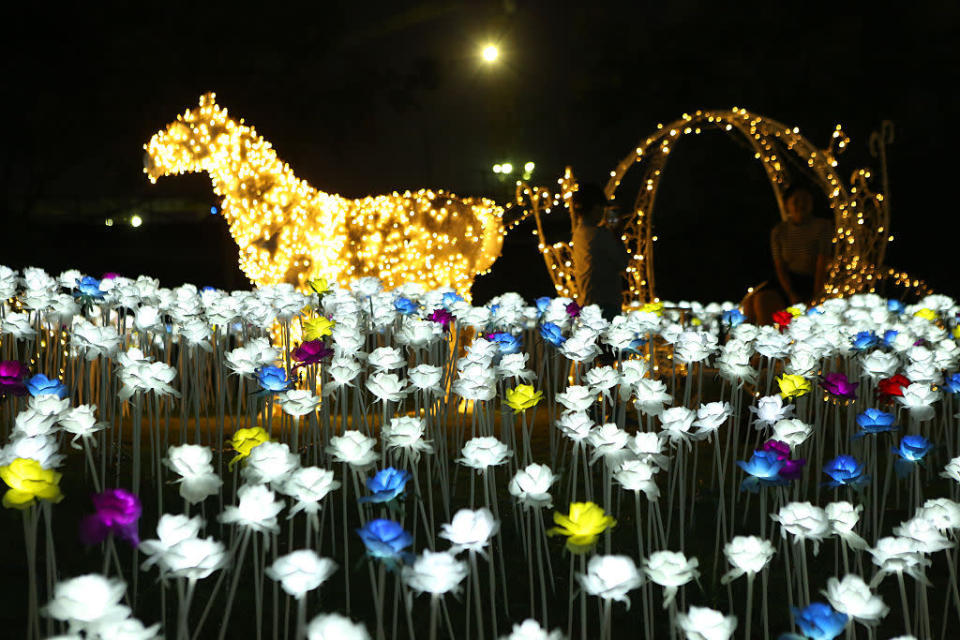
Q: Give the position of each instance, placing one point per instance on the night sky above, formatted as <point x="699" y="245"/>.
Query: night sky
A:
<point x="364" y="98"/>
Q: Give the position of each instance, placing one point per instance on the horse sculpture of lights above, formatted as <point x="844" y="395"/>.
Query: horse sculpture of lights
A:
<point x="288" y="231"/>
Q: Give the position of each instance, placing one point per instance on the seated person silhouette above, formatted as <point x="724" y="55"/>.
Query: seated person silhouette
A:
<point x="801" y="246"/>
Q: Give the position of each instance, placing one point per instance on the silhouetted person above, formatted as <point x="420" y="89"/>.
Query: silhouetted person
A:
<point x="801" y="246"/>
<point x="599" y="257"/>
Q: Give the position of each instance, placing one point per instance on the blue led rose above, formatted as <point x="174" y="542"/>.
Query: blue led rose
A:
<point x="41" y="385"/>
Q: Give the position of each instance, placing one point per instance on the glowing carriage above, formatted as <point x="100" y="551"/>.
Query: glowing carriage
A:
<point x="862" y="217"/>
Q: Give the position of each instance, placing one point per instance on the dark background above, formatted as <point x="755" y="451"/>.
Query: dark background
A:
<point x="372" y="97"/>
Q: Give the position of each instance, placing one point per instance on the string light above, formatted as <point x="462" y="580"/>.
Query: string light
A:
<point x="288" y="231"/>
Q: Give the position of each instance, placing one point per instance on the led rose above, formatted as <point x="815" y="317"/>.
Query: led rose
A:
<point x="406" y="433"/>
<point x="81" y="422"/>
<point x="638" y="475"/>
<point x="943" y="513"/>
<point x="171" y="530"/>
<point x="270" y="462"/>
<point x="608" y="441"/>
<point x="193" y="463"/>
<point x="470" y="530"/>
<point x="703" y="623"/>
<point x="711" y="416"/>
<point x="747" y="555"/>
<point x="802" y="363"/>
<point x="577" y="398"/>
<point x="843" y="517"/>
<point x="898" y="555"/>
<point x="952" y="470"/>
<point x="610" y="578"/>
<point x="793" y="386"/>
<point x="17" y="325"/>
<point x="651" y="396"/>
<point x="301" y="572"/>
<point x="426" y="378"/>
<point x="147" y="376"/>
<point x="879" y="364"/>
<point x="298" y="402"/>
<point x="791" y="431"/>
<point x="513" y="365"/>
<point x="522" y="397"/>
<point x="924" y="533"/>
<point x="581" y="346"/>
<point x="246" y="440"/>
<point x="770" y="410"/>
<point x="602" y="379"/>
<point x="804" y="521"/>
<point x="30" y="423"/>
<point x="581" y="526"/>
<point x="676" y="423"/>
<point x="342" y="370"/>
<point x="531" y="630"/>
<point x="853" y="597"/>
<point x="435" y="572"/>
<point x="94" y="341"/>
<point x="308" y="485"/>
<point x="87" y="600"/>
<point x="28" y="482"/>
<point x="257" y="509"/>
<point x="333" y="626"/>
<point x="386" y="359"/>
<point x="531" y="486"/>
<point x="482" y="452"/>
<point x="386" y="387"/>
<point x="353" y="448"/>
<point x="918" y="398"/>
<point x="42" y="449"/>
<point x="670" y="570"/>
<point x="195" y="558"/>
<point x="575" y="425"/>
<point x="647" y="446"/>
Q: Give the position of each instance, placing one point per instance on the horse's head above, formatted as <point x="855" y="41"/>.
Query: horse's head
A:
<point x="192" y="142"/>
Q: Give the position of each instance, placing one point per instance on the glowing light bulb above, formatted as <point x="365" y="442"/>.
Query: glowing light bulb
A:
<point x="490" y="53"/>
<point x="135" y="221"/>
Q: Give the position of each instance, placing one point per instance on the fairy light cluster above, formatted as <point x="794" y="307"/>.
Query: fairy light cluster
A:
<point x="288" y="231"/>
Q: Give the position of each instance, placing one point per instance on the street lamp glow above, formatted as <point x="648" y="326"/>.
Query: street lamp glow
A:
<point x="497" y="168"/>
<point x="529" y="167"/>
<point x="490" y="53"/>
<point x="506" y="167"/>
<point x="108" y="222"/>
<point x="136" y="221"/>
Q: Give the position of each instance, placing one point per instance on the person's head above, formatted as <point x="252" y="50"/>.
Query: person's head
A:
<point x="587" y="204"/>
<point x="798" y="203"/>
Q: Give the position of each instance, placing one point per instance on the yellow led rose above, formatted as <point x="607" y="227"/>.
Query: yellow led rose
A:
<point x="316" y="328"/>
<point x="795" y="311"/>
<point x="653" y="307"/>
<point x="793" y="386"/>
<point x="926" y="314"/>
<point x="585" y="522"/>
<point x="245" y="440"/>
<point x="956" y="332"/>
<point x="29" y="481"/>
<point x="319" y="285"/>
<point x="523" y="397"/>
<point x="696" y="322"/>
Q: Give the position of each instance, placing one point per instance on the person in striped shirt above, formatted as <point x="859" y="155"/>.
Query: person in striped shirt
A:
<point x="801" y="246"/>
